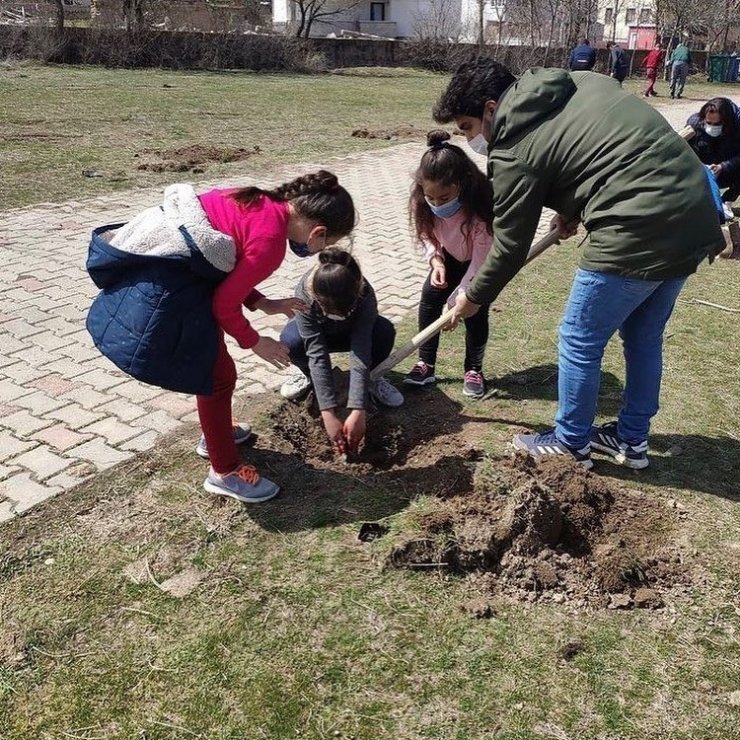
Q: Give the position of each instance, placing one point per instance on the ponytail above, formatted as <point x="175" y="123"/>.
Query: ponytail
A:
<point x="448" y="164"/>
<point x="317" y="196"/>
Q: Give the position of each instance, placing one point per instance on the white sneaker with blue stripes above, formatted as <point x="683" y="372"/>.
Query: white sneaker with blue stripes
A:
<point x="606" y="439"/>
<point x="548" y="445"/>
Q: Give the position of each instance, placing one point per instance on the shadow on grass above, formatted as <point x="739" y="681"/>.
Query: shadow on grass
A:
<point x="693" y="461"/>
<point x="541" y="382"/>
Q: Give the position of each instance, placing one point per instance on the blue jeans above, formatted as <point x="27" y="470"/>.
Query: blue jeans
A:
<point x="599" y="304"/>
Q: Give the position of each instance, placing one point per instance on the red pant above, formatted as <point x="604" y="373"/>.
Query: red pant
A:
<point x="650" y="74"/>
<point x="214" y="412"/>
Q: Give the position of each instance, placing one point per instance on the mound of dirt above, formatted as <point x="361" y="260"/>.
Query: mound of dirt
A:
<point x="552" y="531"/>
<point x="192" y="158"/>
<point x="525" y="530"/>
<point x="398" y="132"/>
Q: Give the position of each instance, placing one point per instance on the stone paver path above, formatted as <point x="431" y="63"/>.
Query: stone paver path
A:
<point x="66" y="413"/>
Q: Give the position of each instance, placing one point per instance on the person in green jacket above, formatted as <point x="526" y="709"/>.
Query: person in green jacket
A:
<point x="679" y="60"/>
<point x="577" y="143"/>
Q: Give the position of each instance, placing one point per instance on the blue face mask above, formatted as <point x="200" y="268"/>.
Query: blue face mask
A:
<point x="446" y="210"/>
<point x="299" y="249"/>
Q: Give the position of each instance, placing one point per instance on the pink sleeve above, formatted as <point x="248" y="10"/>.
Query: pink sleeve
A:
<point x="430" y="250"/>
<point x="260" y="258"/>
<point x="482" y="242"/>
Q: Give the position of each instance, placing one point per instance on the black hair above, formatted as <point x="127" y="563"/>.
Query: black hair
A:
<point x="337" y="281"/>
<point x="318" y="196"/>
<point x="448" y="164"/>
<point x="726" y="111"/>
<point x="585" y="42"/>
<point x="471" y="86"/>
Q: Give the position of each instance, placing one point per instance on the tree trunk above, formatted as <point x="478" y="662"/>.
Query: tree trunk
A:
<point x="59" y="12"/>
<point x="481" y="34"/>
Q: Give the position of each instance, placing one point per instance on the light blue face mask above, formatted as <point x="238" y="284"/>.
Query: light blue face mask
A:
<point x="446" y="210"/>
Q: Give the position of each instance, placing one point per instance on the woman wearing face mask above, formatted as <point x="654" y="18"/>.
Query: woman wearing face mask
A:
<point x="175" y="279"/>
<point x="451" y="210"/>
<point x="717" y="143"/>
<point x="340" y="315"/>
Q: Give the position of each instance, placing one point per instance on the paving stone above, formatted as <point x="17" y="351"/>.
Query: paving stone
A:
<point x="11" y="446"/>
<point x="87" y="397"/>
<point x="112" y="430"/>
<point x="54" y="384"/>
<point x="74" y="416"/>
<point x="23" y="492"/>
<point x="6" y="511"/>
<point x="159" y="421"/>
<point x="60" y="437"/>
<point x="39" y="403"/>
<point x="101" y="455"/>
<point x="142" y="443"/>
<point x="123" y="410"/>
<point x="42" y="462"/>
<point x="25" y="424"/>
<point x="175" y="404"/>
<point x="10" y="391"/>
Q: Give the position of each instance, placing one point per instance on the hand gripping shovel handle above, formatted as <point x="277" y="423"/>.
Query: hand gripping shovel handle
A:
<point x="426" y="334"/>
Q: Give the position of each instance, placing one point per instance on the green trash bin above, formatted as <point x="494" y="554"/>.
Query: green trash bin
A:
<point x="719" y="68"/>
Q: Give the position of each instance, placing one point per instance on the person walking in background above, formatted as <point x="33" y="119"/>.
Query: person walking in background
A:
<point x="652" y="64"/>
<point x="679" y="62"/>
<point x="583" y="57"/>
<point x="649" y="226"/>
<point x="451" y="208"/>
<point x="717" y="143"/>
<point x="340" y="315"/>
<point x="618" y="64"/>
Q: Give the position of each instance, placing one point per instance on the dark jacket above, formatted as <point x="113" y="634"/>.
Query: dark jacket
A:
<point x="153" y="316"/>
<point x="618" y="64"/>
<point x="583" y="57"/>
<point x="314" y="328"/>
<point x="578" y="144"/>
<point x="723" y="149"/>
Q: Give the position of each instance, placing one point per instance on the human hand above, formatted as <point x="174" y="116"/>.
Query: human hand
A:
<point x="716" y="169"/>
<point x="288" y="306"/>
<point x="273" y="352"/>
<point x="334" y="430"/>
<point x="439" y="276"/>
<point x="464" y="308"/>
<point x="566" y="228"/>
<point x="354" y="428"/>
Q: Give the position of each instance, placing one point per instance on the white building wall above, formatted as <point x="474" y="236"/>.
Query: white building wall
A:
<point x="280" y="11"/>
<point x="618" y="15"/>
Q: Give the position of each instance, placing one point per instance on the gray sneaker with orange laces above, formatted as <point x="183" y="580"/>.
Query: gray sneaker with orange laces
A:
<point x="244" y="484"/>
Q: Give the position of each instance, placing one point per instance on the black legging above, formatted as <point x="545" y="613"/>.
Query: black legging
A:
<point x="432" y="304"/>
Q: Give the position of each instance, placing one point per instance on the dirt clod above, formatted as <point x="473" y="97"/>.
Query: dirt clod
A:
<point x="550" y="531"/>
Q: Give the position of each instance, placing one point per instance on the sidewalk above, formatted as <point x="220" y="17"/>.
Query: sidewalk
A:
<point x="66" y="413"/>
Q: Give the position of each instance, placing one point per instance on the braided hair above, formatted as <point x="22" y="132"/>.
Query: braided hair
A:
<point x="337" y="281"/>
<point x="317" y="196"/>
<point x="448" y="164"/>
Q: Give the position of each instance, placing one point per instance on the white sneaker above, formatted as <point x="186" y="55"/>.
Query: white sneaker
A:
<point x="386" y="394"/>
<point x="295" y="386"/>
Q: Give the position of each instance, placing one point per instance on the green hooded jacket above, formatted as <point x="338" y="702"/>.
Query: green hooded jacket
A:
<point x="579" y="144"/>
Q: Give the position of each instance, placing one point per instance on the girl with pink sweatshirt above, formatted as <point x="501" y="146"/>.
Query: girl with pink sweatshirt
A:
<point x="452" y="210"/>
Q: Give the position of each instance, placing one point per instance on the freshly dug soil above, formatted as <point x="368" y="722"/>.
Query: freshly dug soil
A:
<point x="397" y="132"/>
<point x="528" y="531"/>
<point x="552" y="531"/>
<point x="193" y="158"/>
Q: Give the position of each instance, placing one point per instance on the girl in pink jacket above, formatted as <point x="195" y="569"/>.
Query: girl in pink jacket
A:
<point x="451" y="210"/>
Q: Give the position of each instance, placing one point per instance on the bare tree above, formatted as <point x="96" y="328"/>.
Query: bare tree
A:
<point x="59" y="15"/>
<point x="439" y="22"/>
<point x="310" y="11"/>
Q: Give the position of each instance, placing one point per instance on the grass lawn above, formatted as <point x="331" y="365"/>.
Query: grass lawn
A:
<point x="138" y="608"/>
<point x="57" y="121"/>
<point x="290" y="627"/>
